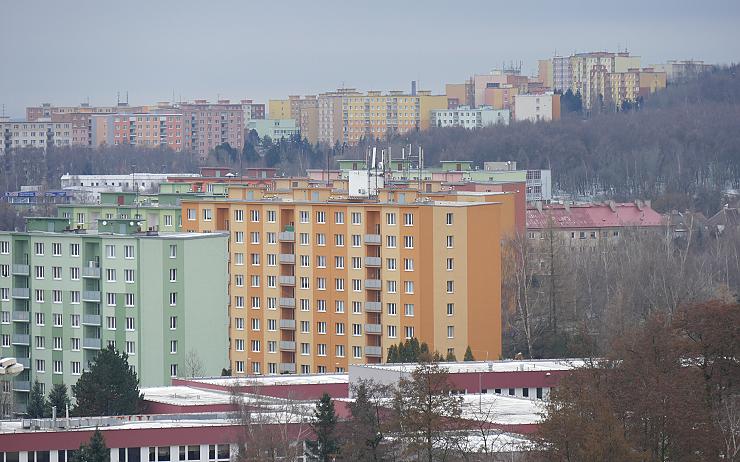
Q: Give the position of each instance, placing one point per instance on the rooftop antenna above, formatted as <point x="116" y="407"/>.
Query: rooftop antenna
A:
<point x="118" y="98"/>
<point x="127" y="97"/>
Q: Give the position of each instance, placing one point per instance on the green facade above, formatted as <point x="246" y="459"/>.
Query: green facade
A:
<point x="66" y="295"/>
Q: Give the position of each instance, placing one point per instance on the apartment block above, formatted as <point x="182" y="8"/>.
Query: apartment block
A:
<point x="207" y="125"/>
<point x="589" y="73"/>
<point x="319" y="281"/>
<point x="545" y="72"/>
<point x="252" y="110"/>
<point x="467" y="117"/>
<point x="138" y="129"/>
<point x="562" y="74"/>
<point x="38" y="134"/>
<point x="537" y="108"/>
<point x="276" y="129"/>
<point x="66" y="293"/>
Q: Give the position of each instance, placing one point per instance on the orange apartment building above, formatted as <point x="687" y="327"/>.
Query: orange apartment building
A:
<point x="320" y="281"/>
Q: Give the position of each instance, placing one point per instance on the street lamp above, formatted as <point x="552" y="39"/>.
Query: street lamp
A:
<point x="9" y="367"/>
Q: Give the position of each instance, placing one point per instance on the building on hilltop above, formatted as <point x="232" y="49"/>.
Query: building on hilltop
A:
<point x="65" y="293"/>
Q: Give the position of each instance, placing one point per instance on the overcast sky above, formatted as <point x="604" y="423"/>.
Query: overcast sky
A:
<point x="66" y="52"/>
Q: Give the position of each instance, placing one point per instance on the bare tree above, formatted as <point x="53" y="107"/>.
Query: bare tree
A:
<point x="193" y="365"/>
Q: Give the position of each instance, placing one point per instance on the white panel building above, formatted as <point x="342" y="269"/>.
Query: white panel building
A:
<point x="470" y="118"/>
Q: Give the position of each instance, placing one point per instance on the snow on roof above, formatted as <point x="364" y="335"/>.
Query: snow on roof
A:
<point x="185" y="396"/>
<point x="543" y="365"/>
<point x="502" y="410"/>
<point x="270" y="380"/>
<point x="593" y="215"/>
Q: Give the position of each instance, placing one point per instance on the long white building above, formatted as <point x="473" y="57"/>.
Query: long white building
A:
<point x="39" y="134"/>
<point x="470" y="118"/>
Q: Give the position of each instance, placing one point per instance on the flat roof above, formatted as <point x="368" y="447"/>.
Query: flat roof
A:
<point x="489" y="366"/>
<point x="270" y="380"/>
<point x="142" y="235"/>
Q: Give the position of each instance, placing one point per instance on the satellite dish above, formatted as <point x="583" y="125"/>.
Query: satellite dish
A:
<point x="105" y="222"/>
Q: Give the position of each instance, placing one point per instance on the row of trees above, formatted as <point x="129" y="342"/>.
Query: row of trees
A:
<point x="411" y="351"/>
<point x="108" y="387"/>
<point x="668" y="390"/>
<point x="562" y="300"/>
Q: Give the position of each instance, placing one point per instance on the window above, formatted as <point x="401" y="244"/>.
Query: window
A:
<point x="4" y="247"/>
<point x="255" y="259"/>
<point x="74" y="320"/>
<point x="254" y="216"/>
<point x="321" y="261"/>
<point x="339" y="284"/>
<point x="168" y="220"/>
<point x="255" y="324"/>
<point x="74" y="250"/>
<point x="128" y="252"/>
<point x="74" y="273"/>
<point x="408" y="264"/>
<point x="450" y="331"/>
<point x="356" y="218"/>
<point x="321" y="217"/>
<point x="408" y="287"/>
<point x="305" y="283"/>
<point x="390" y="219"/>
<point x="305" y="349"/>
<point x="449" y="218"/>
<point x="271" y="216"/>
<point x="110" y="251"/>
<point x="239" y="323"/>
<point x="207" y="214"/>
<point x="357" y="285"/>
<point x="39" y="296"/>
<point x="239" y="258"/>
<point x="40" y="319"/>
<point x="357" y="352"/>
<point x="40" y="342"/>
<point x="130" y="324"/>
<point x="339" y="351"/>
<point x="56" y="249"/>
<point x="238" y="301"/>
<point x="303" y="216"/>
<point x="239" y="237"/>
<point x="408" y="309"/>
<point x="271" y="259"/>
<point x="173" y="298"/>
<point x="392" y="309"/>
<point x="339" y="328"/>
<point x="191" y="215"/>
<point x="173" y="322"/>
<point x="392" y="333"/>
<point x="40" y="366"/>
<point x="304" y="239"/>
<point x="130" y="348"/>
<point x="173" y="275"/>
<point x="408" y="242"/>
<point x="173" y="251"/>
<point x="339" y="306"/>
<point x="450" y="287"/>
<point x="110" y="275"/>
<point x="408" y="219"/>
<point x="356" y="240"/>
<point x="239" y="369"/>
<point x="409" y="332"/>
<point x="75" y="366"/>
<point x="356" y="329"/>
<point x="39" y="271"/>
<point x="254" y="237"/>
<point x="450" y="309"/>
<point x="450" y="264"/>
<point x="450" y="242"/>
<point x="339" y="240"/>
<point x="339" y="218"/>
<point x="391" y="242"/>
<point x="339" y="262"/>
<point x="128" y="276"/>
<point x="129" y="299"/>
<point x="38" y="248"/>
<point x="173" y="373"/>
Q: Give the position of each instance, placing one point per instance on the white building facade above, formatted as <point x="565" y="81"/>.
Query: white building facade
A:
<point x="537" y="108"/>
<point x="470" y="118"/>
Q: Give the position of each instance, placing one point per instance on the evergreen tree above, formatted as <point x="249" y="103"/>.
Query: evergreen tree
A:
<point x="423" y="353"/>
<point x="324" y="426"/>
<point x="414" y="349"/>
<point x="403" y="356"/>
<point x="110" y="387"/>
<point x="468" y="354"/>
<point x="392" y="354"/>
<point x="36" y="402"/>
<point x="364" y="433"/>
<point x="450" y="358"/>
<point x="58" y="397"/>
<point x="94" y="451"/>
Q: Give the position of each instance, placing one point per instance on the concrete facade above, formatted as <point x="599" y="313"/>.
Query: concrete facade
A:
<point x="464" y="116"/>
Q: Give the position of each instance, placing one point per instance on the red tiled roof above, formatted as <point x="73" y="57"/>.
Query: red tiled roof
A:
<point x="596" y="215"/>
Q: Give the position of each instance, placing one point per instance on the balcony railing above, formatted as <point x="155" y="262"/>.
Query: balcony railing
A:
<point x="287" y="368"/>
<point x="373" y="307"/>
<point x="20" y="270"/>
<point x="287" y="345"/>
<point x="25" y="362"/>
<point x="372" y="239"/>
<point x="372" y="261"/>
<point x="21" y="316"/>
<point x="21" y="339"/>
<point x="90" y="272"/>
<point x="21" y="385"/>
<point x="286" y="236"/>
<point x="91" y="343"/>
<point x="287" y="258"/>
<point x="91" y="319"/>
<point x="91" y="296"/>
<point x="374" y="351"/>
<point x="288" y="324"/>
<point x="373" y="284"/>
<point x="287" y="302"/>
<point x="21" y="292"/>
<point x="375" y="329"/>
<point x="286" y="280"/>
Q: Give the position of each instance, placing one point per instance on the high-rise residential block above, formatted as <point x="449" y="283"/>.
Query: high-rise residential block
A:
<point x="319" y="281"/>
<point x="537" y="108"/>
<point x="207" y="125"/>
<point x="37" y="134"/>
<point x="148" y="130"/>
<point x="65" y="294"/>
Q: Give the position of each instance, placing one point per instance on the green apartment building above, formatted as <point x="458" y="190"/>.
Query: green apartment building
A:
<point x="65" y="293"/>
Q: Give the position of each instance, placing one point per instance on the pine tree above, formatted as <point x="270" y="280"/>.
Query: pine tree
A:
<point x="94" y="451"/>
<point x="468" y="355"/>
<point x="324" y="426"/>
<point x="110" y="387"/>
<point x="392" y="354"/>
<point x="450" y="358"/>
<point x="58" y="397"/>
<point x="364" y="435"/>
<point x="36" y="402"/>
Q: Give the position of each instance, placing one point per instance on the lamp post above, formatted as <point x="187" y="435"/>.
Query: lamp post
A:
<point x="9" y="368"/>
<point x="480" y="382"/>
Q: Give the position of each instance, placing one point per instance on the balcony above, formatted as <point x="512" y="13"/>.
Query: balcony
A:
<point x="21" y="385"/>
<point x="287" y="302"/>
<point x="21" y="316"/>
<point x="374" y="329"/>
<point x="287" y="258"/>
<point x="373" y="307"/>
<point x="286" y="280"/>
<point x="90" y="272"/>
<point x="21" y="292"/>
<point x="287" y="345"/>
<point x="287" y="236"/>
<point x="287" y="324"/>
<point x="373" y="284"/>
<point x="91" y="343"/>
<point x="21" y="339"/>
<point x="25" y="362"/>
<point x="286" y="368"/>
<point x="91" y="320"/>
<point x="372" y="239"/>
<point x="91" y="296"/>
<point x="374" y="351"/>
<point x="372" y="261"/>
<point x="20" y="270"/>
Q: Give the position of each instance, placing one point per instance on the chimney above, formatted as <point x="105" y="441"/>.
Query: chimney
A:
<point x="413" y="88"/>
